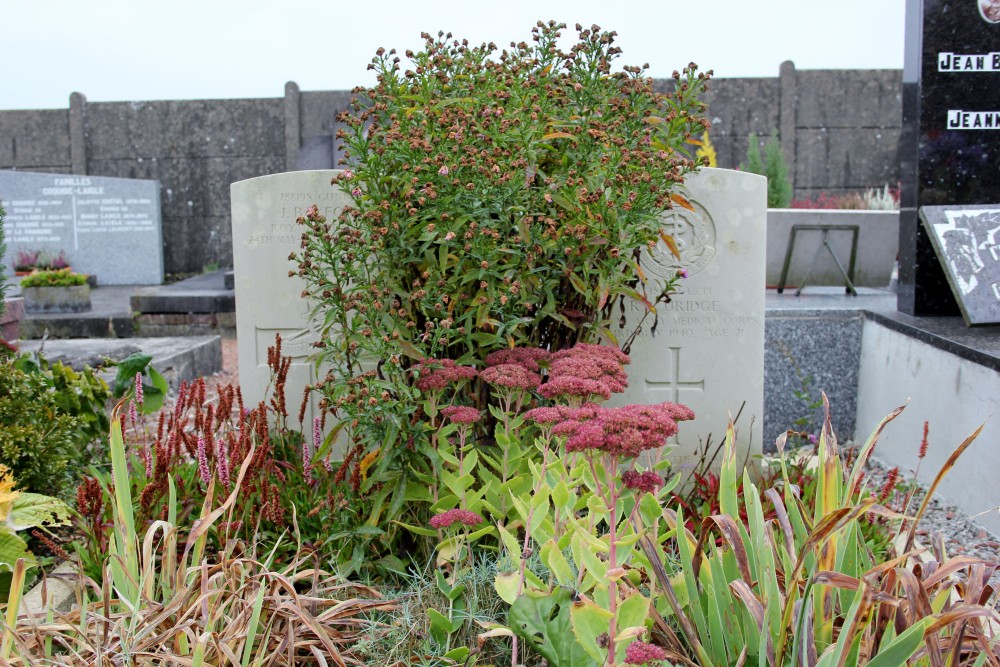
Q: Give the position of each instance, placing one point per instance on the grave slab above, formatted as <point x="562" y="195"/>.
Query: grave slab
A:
<point x="708" y="348"/>
<point x="268" y="301"/>
<point x="109" y="227"/>
<point x="178" y="359"/>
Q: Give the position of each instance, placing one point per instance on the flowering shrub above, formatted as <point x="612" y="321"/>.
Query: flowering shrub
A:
<point x="498" y="200"/>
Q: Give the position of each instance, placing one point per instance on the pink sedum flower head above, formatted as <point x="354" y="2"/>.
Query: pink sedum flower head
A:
<point x="529" y="357"/>
<point x="647" y="481"/>
<point x="682" y="273"/>
<point x="512" y="376"/>
<point x="356" y="192"/>
<point x="624" y="432"/>
<point x="443" y="171"/>
<point x="439" y="373"/>
<point x="453" y="516"/>
<point x="641" y="653"/>
<point x="586" y="371"/>
<point x="460" y="414"/>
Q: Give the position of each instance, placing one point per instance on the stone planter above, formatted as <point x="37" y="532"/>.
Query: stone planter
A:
<point x="45" y="300"/>
<point x="878" y="244"/>
<point x="10" y="319"/>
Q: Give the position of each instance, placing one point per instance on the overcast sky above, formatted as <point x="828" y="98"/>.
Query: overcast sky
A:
<point x="135" y="50"/>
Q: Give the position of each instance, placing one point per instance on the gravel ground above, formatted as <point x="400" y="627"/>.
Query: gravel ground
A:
<point x="962" y="536"/>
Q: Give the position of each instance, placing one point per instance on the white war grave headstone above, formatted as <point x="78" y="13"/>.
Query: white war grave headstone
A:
<point x="708" y="349"/>
<point x="108" y="227"/>
<point x="268" y="301"/>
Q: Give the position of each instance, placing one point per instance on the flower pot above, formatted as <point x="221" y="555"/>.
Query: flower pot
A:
<point x="44" y="300"/>
<point x="10" y="319"/>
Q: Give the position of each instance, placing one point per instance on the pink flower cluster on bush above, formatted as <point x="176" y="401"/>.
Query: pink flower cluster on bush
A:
<point x="624" y="432"/>
<point x="457" y="515"/>
<point x="586" y="371"/>
<point x="647" y="481"/>
<point x="460" y="414"/>
<point x="437" y="374"/>
<point x="641" y="653"/>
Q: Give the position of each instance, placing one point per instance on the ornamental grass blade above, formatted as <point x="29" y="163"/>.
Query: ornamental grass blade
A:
<point x="854" y="481"/>
<point x="948" y="465"/>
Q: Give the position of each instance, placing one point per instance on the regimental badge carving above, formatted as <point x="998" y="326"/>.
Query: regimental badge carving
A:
<point x="694" y="234"/>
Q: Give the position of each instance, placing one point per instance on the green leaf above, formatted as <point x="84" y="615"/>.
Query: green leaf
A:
<point x="13" y="547"/>
<point x="440" y="626"/>
<point x="633" y="612"/>
<point x="650" y="511"/>
<point x="589" y="622"/>
<point x="31" y="510"/>
<point x="559" y="566"/>
<point x="506" y="586"/>
<point x="542" y="620"/>
<point x="418" y="530"/>
<point x="510" y="543"/>
<point x="127" y="369"/>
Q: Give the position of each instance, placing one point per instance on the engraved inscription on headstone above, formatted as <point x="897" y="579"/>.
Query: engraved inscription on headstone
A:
<point x="268" y="301"/>
<point x="109" y="227"/>
<point x="967" y="240"/>
<point x="708" y="348"/>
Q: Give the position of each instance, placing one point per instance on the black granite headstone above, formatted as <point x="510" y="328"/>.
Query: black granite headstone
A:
<point x="967" y="238"/>
<point x="950" y="146"/>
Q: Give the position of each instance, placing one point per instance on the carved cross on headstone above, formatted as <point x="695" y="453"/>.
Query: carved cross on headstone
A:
<point x="675" y="385"/>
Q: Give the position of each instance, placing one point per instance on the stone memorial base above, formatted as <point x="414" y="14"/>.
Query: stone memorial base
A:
<point x="69" y="299"/>
<point x="10" y="319"/>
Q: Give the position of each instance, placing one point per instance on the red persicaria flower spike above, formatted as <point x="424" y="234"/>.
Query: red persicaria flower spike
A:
<point x="138" y="389"/>
<point x="203" y="471"/>
<point x="923" y="442"/>
<point x="457" y="515"/>
<point x="890" y="484"/>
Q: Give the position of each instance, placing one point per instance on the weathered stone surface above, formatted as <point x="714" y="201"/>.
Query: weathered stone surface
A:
<point x="177" y="359"/>
<point x="10" y="318"/>
<point x="708" y="350"/>
<point x="842" y="99"/>
<point x="268" y="301"/>
<point x="847" y="159"/>
<point x="68" y="299"/>
<point x="35" y="139"/>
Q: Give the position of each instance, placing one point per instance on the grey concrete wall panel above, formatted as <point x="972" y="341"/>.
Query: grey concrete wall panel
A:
<point x="849" y="98"/>
<point x="837" y="159"/>
<point x="846" y="131"/>
<point x="35" y="139"/>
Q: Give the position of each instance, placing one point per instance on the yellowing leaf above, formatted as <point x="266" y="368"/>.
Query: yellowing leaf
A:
<point x="677" y="199"/>
<point x="558" y="135"/>
<point x="671" y="245"/>
<point x="367" y="462"/>
<point x="7" y="492"/>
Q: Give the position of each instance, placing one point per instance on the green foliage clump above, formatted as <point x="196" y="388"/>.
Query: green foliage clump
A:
<point x="773" y="166"/>
<point x="497" y="200"/>
<point x="58" y="278"/>
<point x="49" y="414"/>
